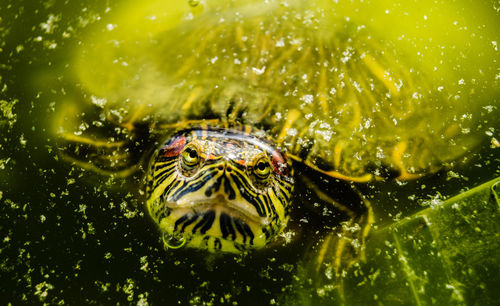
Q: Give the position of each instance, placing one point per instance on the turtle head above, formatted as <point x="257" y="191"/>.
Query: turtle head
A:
<point x="219" y="189"/>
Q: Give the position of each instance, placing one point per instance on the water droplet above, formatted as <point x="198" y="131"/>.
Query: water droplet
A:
<point x="193" y="3"/>
<point x="173" y="242"/>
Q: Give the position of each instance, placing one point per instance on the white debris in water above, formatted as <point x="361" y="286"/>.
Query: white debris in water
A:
<point x="399" y="85"/>
<point x="110" y="26"/>
<point x="380" y="153"/>
<point x="280" y="42"/>
<point x="307" y="99"/>
<point x="466" y="116"/>
<point x="214" y="59"/>
<point x="325" y="125"/>
<point x="451" y="175"/>
<point x="127" y="212"/>
<point x="98" y="101"/>
<point x="42" y="290"/>
<point x="258" y="71"/>
<point x="82" y="209"/>
<point x="357" y="86"/>
<point x="81" y="129"/>
<point x="49" y="25"/>
<point x="144" y="263"/>
<point x="50" y="45"/>
<point x="489" y="108"/>
<point x="461" y="82"/>
<point x="3" y="162"/>
<point x="22" y="140"/>
<point x="128" y="289"/>
<point x="143" y="299"/>
<point x="329" y="272"/>
<point x="292" y="132"/>
<point x="401" y="183"/>
<point x="456" y="292"/>
<point x="440" y="88"/>
<point x="347" y="54"/>
<point x="368" y="123"/>
<point x="434" y="201"/>
<point x="90" y="228"/>
<point x="7" y="114"/>
<point x="495" y="45"/>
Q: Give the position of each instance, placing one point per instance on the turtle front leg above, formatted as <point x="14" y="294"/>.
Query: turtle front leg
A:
<point x="94" y="144"/>
<point x="344" y="242"/>
<point x="97" y="155"/>
<point x="397" y="158"/>
<point x="351" y="234"/>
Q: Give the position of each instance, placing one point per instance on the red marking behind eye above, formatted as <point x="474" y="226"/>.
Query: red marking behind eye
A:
<point x="173" y="147"/>
<point x="280" y="166"/>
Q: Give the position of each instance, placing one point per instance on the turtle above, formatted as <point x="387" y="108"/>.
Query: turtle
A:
<point x="216" y="105"/>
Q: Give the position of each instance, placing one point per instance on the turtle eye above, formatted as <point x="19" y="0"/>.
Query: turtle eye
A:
<point x="262" y="168"/>
<point x="191" y="156"/>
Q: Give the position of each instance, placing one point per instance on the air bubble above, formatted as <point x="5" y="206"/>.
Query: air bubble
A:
<point x="173" y="242"/>
<point x="193" y="3"/>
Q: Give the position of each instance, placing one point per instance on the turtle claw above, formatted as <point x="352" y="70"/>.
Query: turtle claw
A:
<point x="96" y="144"/>
<point x="89" y="141"/>
<point x="99" y="156"/>
<point x="397" y="159"/>
<point x="103" y="155"/>
<point x="335" y="255"/>
<point x="334" y="174"/>
<point x="344" y="245"/>
<point x="126" y="172"/>
<point x="340" y="250"/>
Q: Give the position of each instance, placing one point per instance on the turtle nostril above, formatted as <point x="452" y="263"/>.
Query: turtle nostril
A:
<point x="229" y="169"/>
<point x="221" y="167"/>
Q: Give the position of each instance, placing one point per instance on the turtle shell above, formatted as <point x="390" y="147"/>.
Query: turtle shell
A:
<point x="331" y="91"/>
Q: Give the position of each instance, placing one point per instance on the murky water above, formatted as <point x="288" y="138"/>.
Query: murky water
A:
<point x="69" y="235"/>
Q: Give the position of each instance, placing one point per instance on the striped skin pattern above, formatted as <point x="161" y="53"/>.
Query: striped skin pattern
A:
<point x="220" y="189"/>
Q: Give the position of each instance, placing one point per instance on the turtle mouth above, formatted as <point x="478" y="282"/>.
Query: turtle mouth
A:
<point x="216" y="225"/>
<point x="236" y="209"/>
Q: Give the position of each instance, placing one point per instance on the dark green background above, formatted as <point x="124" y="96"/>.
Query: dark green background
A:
<point x="68" y="236"/>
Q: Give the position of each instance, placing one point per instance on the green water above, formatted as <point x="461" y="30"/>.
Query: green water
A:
<point x="70" y="236"/>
